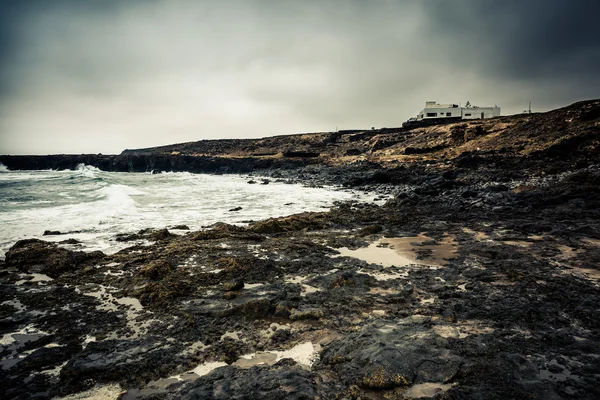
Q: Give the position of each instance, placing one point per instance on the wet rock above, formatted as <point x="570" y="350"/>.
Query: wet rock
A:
<point x="233" y="286"/>
<point x="382" y="356"/>
<point x="221" y="230"/>
<point x="164" y="291"/>
<point x="180" y="227"/>
<point x="235" y="209"/>
<point x="44" y="357"/>
<point x="313" y="313"/>
<point x="156" y="269"/>
<point x="70" y="241"/>
<point x="148" y="234"/>
<point x="282" y="381"/>
<point x="257" y="308"/>
<point x="292" y="223"/>
<point x="370" y="230"/>
<point x="132" y="361"/>
<point x="52" y="233"/>
<point x="282" y="310"/>
<point x="33" y="255"/>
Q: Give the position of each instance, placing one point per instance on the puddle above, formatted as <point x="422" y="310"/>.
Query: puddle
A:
<point x="584" y="273"/>
<point x="110" y="273"/>
<point x="132" y="302"/>
<point x="518" y="243"/>
<point x="383" y="292"/>
<point x="110" y="303"/>
<point x="109" y="392"/>
<point x="567" y="252"/>
<point x="193" y="349"/>
<point x="54" y="371"/>
<point x="27" y="334"/>
<point x="252" y="285"/>
<point x="306" y="289"/>
<point x="304" y="354"/>
<point x="231" y="335"/>
<point x="479" y="236"/>
<point x="426" y="390"/>
<point x="401" y="252"/>
<point x="375" y="254"/>
<point x="593" y="242"/>
<point x="14" y="303"/>
<point x="36" y="278"/>
<point x="461" y="330"/>
<point x="382" y="276"/>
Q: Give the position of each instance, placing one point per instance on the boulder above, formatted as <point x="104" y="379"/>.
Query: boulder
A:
<point x="38" y="256"/>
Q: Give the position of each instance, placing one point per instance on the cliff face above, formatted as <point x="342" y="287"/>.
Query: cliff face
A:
<point x="570" y="132"/>
<point x="148" y="163"/>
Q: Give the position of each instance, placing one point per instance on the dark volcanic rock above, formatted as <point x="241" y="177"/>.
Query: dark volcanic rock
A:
<point x="379" y="356"/>
<point x="132" y="361"/>
<point x="283" y="381"/>
<point x="233" y="285"/>
<point x="33" y="255"/>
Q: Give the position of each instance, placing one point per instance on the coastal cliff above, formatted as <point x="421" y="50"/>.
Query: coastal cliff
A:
<point x="476" y="275"/>
<point x="569" y="134"/>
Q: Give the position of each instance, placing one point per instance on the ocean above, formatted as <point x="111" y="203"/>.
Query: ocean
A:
<point x="92" y="206"/>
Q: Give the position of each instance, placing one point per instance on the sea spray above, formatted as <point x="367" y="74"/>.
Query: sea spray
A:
<point x="92" y="206"/>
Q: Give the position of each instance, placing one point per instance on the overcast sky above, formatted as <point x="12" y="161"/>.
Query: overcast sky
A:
<point x="90" y="76"/>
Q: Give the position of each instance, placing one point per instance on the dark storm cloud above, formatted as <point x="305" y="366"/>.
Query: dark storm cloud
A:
<point x="89" y="76"/>
<point x="522" y="39"/>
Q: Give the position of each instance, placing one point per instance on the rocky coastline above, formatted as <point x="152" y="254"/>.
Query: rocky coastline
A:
<point x="478" y="278"/>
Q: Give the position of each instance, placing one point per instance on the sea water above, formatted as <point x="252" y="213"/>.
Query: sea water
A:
<point x="92" y="206"/>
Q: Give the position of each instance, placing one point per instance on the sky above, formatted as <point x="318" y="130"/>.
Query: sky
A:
<point x="100" y="76"/>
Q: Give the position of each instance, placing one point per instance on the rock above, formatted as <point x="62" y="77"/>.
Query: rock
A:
<point x="148" y="234"/>
<point x="45" y="357"/>
<point x="289" y="224"/>
<point x="370" y="230"/>
<point x="251" y="182"/>
<point x="230" y="295"/>
<point x="380" y="356"/>
<point x="233" y="286"/>
<point x="156" y="269"/>
<point x="257" y="308"/>
<point x="235" y="209"/>
<point x="70" y="241"/>
<point x="180" y="227"/>
<point x="119" y="360"/>
<point x="34" y="255"/>
<point x="297" y="315"/>
<point x="52" y="233"/>
<point x="282" y="381"/>
<point x="281" y="310"/>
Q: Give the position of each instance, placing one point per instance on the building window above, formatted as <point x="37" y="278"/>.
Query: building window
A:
<point x="467" y="115"/>
<point x="432" y="114"/>
<point x="448" y="114"/>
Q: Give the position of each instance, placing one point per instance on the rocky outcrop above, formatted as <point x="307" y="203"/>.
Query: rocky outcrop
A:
<point x="37" y="256"/>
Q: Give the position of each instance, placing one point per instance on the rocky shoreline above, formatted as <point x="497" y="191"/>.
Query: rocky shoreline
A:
<point x="478" y="279"/>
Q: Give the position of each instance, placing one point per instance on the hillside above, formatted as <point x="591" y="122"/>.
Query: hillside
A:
<point x="572" y="130"/>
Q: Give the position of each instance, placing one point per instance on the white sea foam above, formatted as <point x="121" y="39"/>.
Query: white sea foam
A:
<point x="93" y="206"/>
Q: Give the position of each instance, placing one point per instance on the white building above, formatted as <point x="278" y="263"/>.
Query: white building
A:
<point x="433" y="110"/>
